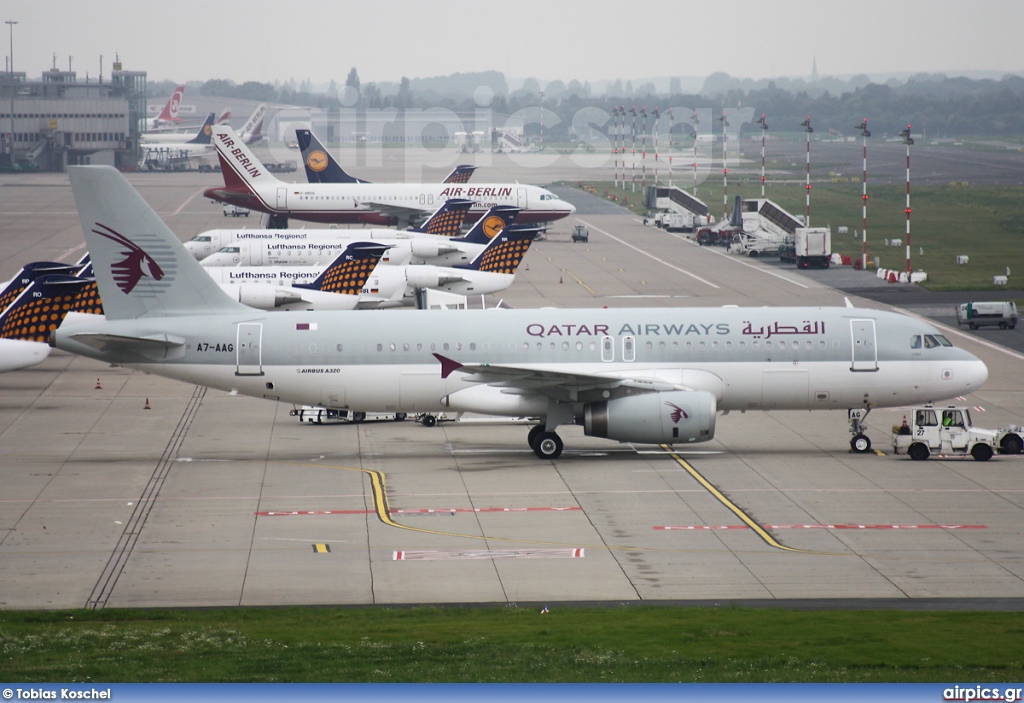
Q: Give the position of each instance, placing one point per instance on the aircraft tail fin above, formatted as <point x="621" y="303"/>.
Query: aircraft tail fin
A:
<point x="320" y="166"/>
<point x="460" y="174"/>
<point x="348" y="273"/>
<point x="252" y="131"/>
<point x="203" y="136"/>
<point x="224" y="117"/>
<point x="491" y="223"/>
<point x="141" y="267"/>
<point x="243" y="172"/>
<point x="170" y="111"/>
<point x="505" y="251"/>
<point x="447" y="220"/>
<point x="41" y="307"/>
<point x="29" y="273"/>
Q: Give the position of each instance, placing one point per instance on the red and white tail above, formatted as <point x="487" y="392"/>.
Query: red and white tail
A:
<point x="252" y="132"/>
<point x="170" y="111"/>
<point x="225" y="116"/>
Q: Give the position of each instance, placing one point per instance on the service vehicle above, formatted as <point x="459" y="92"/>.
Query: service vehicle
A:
<point x="235" y="211"/>
<point x="945" y="431"/>
<point x="580" y="234"/>
<point x="317" y="415"/>
<point x="975" y="315"/>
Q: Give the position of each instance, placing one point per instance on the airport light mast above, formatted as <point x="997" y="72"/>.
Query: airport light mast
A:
<point x="863" y="127"/>
<point x="725" y="164"/>
<point x="806" y="124"/>
<point x="908" y="141"/>
<point x="764" y="128"/>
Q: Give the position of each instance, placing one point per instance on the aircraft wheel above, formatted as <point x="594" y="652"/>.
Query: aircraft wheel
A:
<point x="1012" y="444"/>
<point x="548" y="445"/>
<point x="428" y="420"/>
<point x="860" y="444"/>
<point x="535" y="431"/>
<point x="918" y="452"/>
<point x="981" y="452"/>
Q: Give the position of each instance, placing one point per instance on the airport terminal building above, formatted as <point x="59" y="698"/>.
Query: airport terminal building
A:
<point x="57" y="120"/>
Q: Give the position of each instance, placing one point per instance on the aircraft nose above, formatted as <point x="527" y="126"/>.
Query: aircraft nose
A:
<point x="973" y="374"/>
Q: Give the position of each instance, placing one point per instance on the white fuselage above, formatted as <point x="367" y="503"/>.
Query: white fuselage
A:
<point x="425" y="249"/>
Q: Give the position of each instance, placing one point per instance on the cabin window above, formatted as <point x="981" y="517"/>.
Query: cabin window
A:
<point x="628" y="348"/>
<point x="552" y="346"/>
<point x="607" y="349"/>
<point x="755" y="344"/>
<point x="675" y="345"/>
<point x="807" y="344"/>
<point x="526" y="346"/>
<point x="541" y="346"/>
<point x="835" y="344"/>
<point x="419" y="347"/>
<point x="446" y="346"/>
<point x="649" y="346"/>
<point x="743" y="344"/>
<point x="782" y="344"/>
<point x="661" y="346"/>
<point x="458" y="346"/>
<point x="340" y="348"/>
<point x="821" y="344"/>
<point x="702" y="344"/>
<point x="768" y="344"/>
<point x="579" y="346"/>
<point x="728" y="345"/>
<point x="714" y="345"/>
<point x="433" y="347"/>
<point x="472" y="346"/>
<point x="565" y="346"/>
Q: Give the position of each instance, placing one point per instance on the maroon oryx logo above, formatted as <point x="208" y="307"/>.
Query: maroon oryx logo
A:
<point x="677" y="413"/>
<point x="128" y="272"/>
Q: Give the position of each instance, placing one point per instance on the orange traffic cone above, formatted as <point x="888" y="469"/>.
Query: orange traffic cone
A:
<point x="98" y="386"/>
<point x="146" y="406"/>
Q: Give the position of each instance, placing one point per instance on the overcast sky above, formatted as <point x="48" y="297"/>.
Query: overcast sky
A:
<point x="268" y="40"/>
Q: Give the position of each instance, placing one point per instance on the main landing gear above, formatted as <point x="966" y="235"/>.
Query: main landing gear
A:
<point x="860" y="442"/>
<point x="546" y="445"/>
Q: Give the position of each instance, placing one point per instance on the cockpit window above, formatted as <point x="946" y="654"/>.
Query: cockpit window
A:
<point x="930" y="342"/>
<point x="915" y="341"/>
<point x="548" y="196"/>
<point x="202" y="238"/>
<point x="943" y="341"/>
<point x="229" y="250"/>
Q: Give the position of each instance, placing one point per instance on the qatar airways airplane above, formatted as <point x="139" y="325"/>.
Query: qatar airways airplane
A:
<point x="655" y="375"/>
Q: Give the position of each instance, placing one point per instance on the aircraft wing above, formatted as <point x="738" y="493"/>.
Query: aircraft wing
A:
<point x="161" y="346"/>
<point x="559" y="385"/>
<point x="410" y="216"/>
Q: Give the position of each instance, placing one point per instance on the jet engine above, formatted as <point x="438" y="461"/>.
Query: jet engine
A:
<point x="264" y="297"/>
<point x="430" y="277"/>
<point x="432" y="248"/>
<point x="667" y="417"/>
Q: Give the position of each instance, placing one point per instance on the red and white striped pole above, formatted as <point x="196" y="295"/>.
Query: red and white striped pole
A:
<point x="671" y="125"/>
<point x="643" y="150"/>
<point x="695" y="123"/>
<point x="633" y="147"/>
<point x="908" y="141"/>
<point x="656" y="116"/>
<point x="806" y="124"/>
<point x="615" y="148"/>
<point x="863" y="127"/>
<point x="764" y="128"/>
<point x="725" y="165"/>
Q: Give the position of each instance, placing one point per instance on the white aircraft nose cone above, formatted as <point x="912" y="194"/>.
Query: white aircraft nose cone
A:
<point x="974" y="374"/>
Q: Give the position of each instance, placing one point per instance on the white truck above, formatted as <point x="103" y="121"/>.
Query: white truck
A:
<point x="318" y="415"/>
<point x="945" y="431"/>
<point x="813" y="247"/>
<point x="975" y="315"/>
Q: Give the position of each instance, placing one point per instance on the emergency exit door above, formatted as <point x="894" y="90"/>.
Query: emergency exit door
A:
<point x="865" y="345"/>
<point x="249" y="349"/>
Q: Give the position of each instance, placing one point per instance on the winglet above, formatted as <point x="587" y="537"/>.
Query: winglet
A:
<point x="448" y="366"/>
<point x="848" y="303"/>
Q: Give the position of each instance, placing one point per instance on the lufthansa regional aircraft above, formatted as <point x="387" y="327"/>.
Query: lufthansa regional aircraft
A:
<point x="425" y="249"/>
<point x="631" y="375"/>
<point x="446" y="222"/>
<point x="248" y="183"/>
